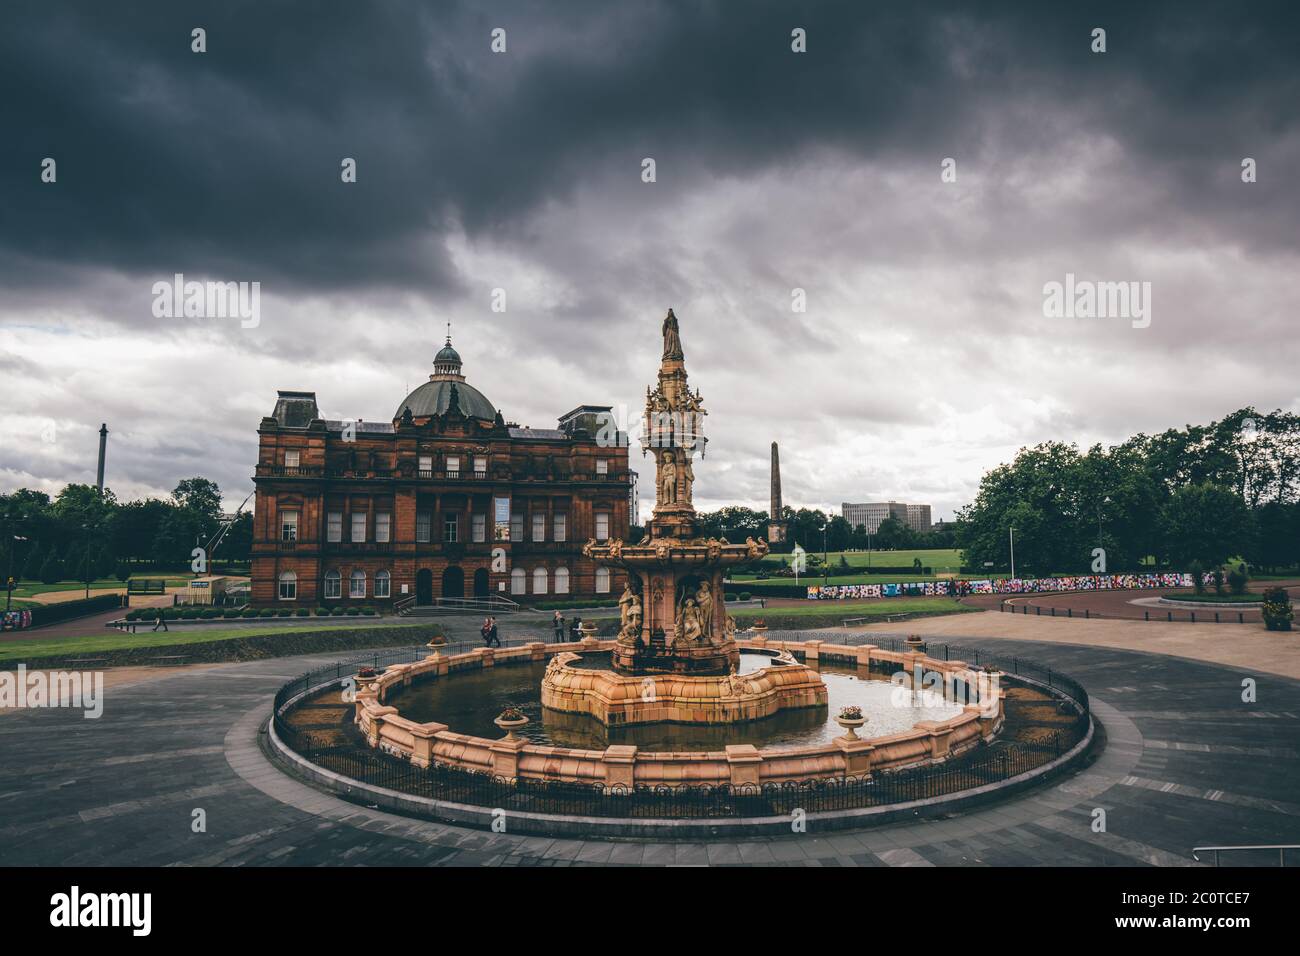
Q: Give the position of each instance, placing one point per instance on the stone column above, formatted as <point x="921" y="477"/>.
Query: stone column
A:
<point x="620" y="765"/>
<point x="745" y="764"/>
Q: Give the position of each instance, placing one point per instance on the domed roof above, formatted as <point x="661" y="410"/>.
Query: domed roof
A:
<point x="447" y="354"/>
<point x="434" y="398"/>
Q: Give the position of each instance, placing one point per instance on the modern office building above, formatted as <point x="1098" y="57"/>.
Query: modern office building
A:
<point x="871" y="514"/>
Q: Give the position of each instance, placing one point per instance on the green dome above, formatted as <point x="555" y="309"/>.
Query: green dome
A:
<point x="434" y="398"/>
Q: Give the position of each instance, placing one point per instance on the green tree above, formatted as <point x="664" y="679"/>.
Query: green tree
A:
<point x="1205" y="523"/>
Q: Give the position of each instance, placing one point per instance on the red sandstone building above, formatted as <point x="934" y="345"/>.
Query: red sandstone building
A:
<point x="445" y="501"/>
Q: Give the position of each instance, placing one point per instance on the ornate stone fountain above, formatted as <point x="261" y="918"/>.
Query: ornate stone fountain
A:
<point x="676" y="655"/>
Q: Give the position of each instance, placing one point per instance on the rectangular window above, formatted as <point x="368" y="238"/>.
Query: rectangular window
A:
<point x="453" y="466"/>
<point x="426" y="466"/>
<point x="539" y="527"/>
<point x="357" y="585"/>
<point x="602" y="466"/>
<point x="291" y="459"/>
<point x="333" y="586"/>
<point x="423" y="525"/>
<point x="561" y="528"/>
<point x="451" y="528"/>
<point x="383" y="524"/>
<point x="516" y="527"/>
<point x="602" y="525"/>
<point x="358" y="526"/>
<point x="288" y="588"/>
<point x="383" y="585"/>
<point x="334" y="526"/>
<point x="288" y="526"/>
<point x="478" y="525"/>
<point x="480" y="466"/>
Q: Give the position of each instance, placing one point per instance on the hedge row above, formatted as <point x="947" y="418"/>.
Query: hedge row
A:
<point x="67" y="610"/>
<point x="230" y="614"/>
<point x="291" y="642"/>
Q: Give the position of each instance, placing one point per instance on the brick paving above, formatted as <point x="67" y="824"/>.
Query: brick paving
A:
<point x="1185" y="763"/>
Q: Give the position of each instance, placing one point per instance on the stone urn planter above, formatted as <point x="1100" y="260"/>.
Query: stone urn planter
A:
<point x="438" y="642"/>
<point x="850" y="718"/>
<point x="915" y="644"/>
<point x="510" y="721"/>
<point x="587" y="629"/>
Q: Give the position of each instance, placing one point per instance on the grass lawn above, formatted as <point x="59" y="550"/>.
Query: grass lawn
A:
<point x="31" y="588"/>
<point x="815" y="580"/>
<point x="1209" y="597"/>
<point x="940" y="559"/>
<point x="14" y="651"/>
<point x="877" y="607"/>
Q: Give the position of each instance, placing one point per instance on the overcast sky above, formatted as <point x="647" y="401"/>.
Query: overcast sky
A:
<point x="923" y="359"/>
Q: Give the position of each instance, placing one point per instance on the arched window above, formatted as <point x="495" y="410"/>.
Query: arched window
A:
<point x="333" y="584"/>
<point x="539" y="581"/>
<point x="561" y="580"/>
<point x="357" y="584"/>
<point x="602" y="580"/>
<point x="383" y="584"/>
<point x="288" y="586"/>
<point x="518" y="581"/>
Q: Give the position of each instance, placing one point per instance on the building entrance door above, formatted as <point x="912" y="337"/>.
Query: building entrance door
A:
<point x="424" y="587"/>
<point x="453" y="583"/>
<point x="481" y="583"/>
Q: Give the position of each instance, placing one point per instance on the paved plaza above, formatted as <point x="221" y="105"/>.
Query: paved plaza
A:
<point x="1184" y="763"/>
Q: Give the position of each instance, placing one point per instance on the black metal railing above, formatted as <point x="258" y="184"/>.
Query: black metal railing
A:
<point x="986" y="765"/>
<point x="883" y="788"/>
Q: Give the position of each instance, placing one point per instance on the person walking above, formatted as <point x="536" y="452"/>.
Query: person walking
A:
<point x="557" y="623"/>
<point x="575" y="628"/>
<point x="485" y="631"/>
<point x="493" y="636"/>
<point x="160" y="621"/>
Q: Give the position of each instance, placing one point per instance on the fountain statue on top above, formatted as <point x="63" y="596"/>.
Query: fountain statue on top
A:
<point x="674" y="617"/>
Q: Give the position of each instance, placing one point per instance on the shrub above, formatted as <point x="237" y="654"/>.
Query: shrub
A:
<point x="368" y="611"/>
<point x="745" y="595"/>
<point x="232" y="613"/>
<point x="322" y="612"/>
<point x="266" y="612"/>
<point x="52" y="570"/>
<point x="251" y="612"/>
<point x="133" y="614"/>
<point x="1277" y="610"/>
<point x="303" y="612"/>
<point x="731" y="596"/>
<point x="1198" y="576"/>
<point x="285" y="612"/>
<point x="211" y="613"/>
<point x="336" y="612"/>
<point x="353" y="611"/>
<point x="1237" y="579"/>
<point x="191" y="613"/>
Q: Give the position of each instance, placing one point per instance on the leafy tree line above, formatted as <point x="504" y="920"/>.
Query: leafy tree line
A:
<point x="81" y="534"/>
<point x="805" y="525"/>
<point x="1192" y="496"/>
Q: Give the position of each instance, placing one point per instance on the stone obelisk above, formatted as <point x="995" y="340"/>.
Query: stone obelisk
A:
<point x="775" y="526"/>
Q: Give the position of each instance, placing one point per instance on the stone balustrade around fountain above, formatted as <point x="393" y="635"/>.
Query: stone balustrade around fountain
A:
<point x="621" y="767"/>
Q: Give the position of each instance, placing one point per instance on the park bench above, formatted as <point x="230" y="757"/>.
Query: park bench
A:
<point x="170" y="660"/>
<point x="79" y="661"/>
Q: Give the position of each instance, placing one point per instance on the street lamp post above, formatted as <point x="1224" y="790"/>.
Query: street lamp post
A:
<point x="826" y="563"/>
<point x="9" y="578"/>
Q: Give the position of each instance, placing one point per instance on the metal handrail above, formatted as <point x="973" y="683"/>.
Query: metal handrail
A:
<point x="493" y="603"/>
<point x="404" y="605"/>
<point x="1280" y="847"/>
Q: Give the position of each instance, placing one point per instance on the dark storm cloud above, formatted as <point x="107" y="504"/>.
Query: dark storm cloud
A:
<point x="227" y="163"/>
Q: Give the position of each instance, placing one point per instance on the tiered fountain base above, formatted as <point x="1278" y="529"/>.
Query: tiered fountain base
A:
<point x="620" y="700"/>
